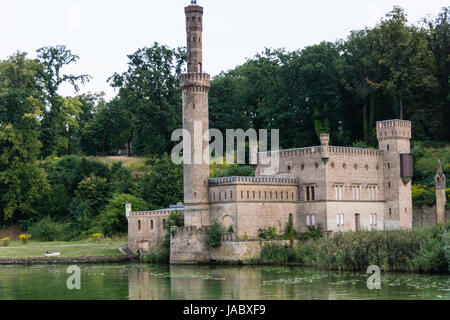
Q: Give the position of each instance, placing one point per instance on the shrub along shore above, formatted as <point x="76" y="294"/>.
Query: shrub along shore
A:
<point x="418" y="250"/>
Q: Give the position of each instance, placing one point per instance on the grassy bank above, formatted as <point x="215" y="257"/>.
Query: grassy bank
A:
<point x="418" y="250"/>
<point x="17" y="249"/>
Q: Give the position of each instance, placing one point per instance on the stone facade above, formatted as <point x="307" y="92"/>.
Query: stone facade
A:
<point x="147" y="228"/>
<point x="342" y="189"/>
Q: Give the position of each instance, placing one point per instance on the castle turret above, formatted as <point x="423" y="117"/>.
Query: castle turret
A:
<point x="195" y="87"/>
<point x="441" y="198"/>
<point x="394" y="139"/>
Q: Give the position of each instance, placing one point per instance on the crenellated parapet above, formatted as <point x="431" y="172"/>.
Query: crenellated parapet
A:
<point x="254" y="180"/>
<point x="393" y="130"/>
<point x="154" y="213"/>
<point x="332" y="150"/>
<point x="190" y="231"/>
<point x="195" y="82"/>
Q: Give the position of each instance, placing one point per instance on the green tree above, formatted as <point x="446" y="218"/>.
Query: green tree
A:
<point x="113" y="219"/>
<point x="163" y="185"/>
<point x="61" y="113"/>
<point x="150" y="93"/>
<point x="22" y="181"/>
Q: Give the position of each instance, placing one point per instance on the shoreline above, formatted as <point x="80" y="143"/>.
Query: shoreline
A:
<point x="67" y="260"/>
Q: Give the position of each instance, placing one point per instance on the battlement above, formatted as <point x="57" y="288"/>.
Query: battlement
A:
<point x="253" y="180"/>
<point x="318" y="150"/>
<point x="155" y="213"/>
<point x="190" y="231"/>
<point x="393" y="129"/>
<point x="193" y="9"/>
<point x="195" y="82"/>
<point x="355" y="151"/>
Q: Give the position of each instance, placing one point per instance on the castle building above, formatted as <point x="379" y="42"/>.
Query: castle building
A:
<point x="338" y="188"/>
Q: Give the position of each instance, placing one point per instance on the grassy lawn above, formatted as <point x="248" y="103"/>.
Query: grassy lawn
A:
<point x="68" y="249"/>
<point x="137" y="165"/>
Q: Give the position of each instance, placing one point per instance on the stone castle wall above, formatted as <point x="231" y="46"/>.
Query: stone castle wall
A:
<point x="426" y="216"/>
<point x="147" y="228"/>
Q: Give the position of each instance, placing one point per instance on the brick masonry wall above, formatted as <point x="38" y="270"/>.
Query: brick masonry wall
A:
<point x="427" y="216"/>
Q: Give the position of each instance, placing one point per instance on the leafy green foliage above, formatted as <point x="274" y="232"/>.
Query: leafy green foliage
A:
<point x="21" y="180"/>
<point x="47" y="229"/>
<point x="314" y="232"/>
<point x="113" y="219"/>
<point x="162" y="186"/>
<point x="421" y="249"/>
<point x="149" y="92"/>
<point x="214" y="235"/>
<point x="268" y="234"/>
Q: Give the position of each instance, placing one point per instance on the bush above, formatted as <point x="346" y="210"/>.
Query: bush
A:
<point x="25" y="237"/>
<point x="214" y="236"/>
<point x="49" y="230"/>
<point x="314" y="232"/>
<point x="276" y="253"/>
<point x="5" y="241"/>
<point x="268" y="234"/>
<point x="422" y="249"/>
<point x="160" y="255"/>
<point x="446" y="239"/>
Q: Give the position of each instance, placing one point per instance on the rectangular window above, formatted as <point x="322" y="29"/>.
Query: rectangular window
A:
<point x="340" y="219"/>
<point x="356" y="192"/>
<point x="310" y="193"/>
<point x="339" y="192"/>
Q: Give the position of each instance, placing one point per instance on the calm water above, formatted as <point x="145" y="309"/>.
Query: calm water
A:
<point x="141" y="281"/>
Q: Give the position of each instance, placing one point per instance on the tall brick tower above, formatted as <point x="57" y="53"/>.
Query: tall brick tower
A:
<point x="195" y="88"/>
<point x="394" y="139"/>
<point x="441" y="198"/>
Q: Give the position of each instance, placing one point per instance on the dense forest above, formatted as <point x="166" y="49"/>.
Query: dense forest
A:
<point x="49" y="181"/>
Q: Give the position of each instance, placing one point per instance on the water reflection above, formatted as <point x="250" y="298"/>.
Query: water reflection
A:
<point x="153" y="282"/>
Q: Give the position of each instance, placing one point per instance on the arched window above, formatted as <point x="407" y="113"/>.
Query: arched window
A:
<point x="308" y="220"/>
<point x="313" y="219"/>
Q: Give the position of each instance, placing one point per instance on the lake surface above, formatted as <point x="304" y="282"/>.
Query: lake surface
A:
<point x="155" y="282"/>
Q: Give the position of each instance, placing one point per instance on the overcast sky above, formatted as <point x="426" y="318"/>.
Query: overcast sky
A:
<point x="103" y="32"/>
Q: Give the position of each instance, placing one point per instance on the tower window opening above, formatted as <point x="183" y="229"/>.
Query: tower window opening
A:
<point x="388" y="147"/>
<point x="139" y="225"/>
<point x="151" y="224"/>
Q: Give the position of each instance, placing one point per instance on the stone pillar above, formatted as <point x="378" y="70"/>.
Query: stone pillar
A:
<point x="441" y="198"/>
<point x="195" y="88"/>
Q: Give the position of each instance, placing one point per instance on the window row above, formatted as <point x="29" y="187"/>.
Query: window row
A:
<point x="356" y="192"/>
<point x="151" y="224"/>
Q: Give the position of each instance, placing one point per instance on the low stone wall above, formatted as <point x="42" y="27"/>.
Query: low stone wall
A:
<point x="188" y="245"/>
<point x="241" y="251"/>
<point x="427" y="216"/>
<point x="236" y="251"/>
<point x="66" y="260"/>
